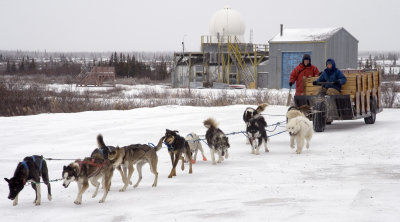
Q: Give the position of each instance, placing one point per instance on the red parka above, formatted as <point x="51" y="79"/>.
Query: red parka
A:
<point x="299" y="72"/>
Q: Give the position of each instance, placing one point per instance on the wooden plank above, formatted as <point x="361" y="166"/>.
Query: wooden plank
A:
<point x="368" y="101"/>
<point x="358" y="101"/>
<point x="362" y="111"/>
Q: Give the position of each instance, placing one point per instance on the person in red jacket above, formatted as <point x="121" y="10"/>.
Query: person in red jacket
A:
<point x="303" y="69"/>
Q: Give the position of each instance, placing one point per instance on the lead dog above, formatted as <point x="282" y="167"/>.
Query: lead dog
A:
<point x="217" y="140"/>
<point x="138" y="154"/>
<point x="300" y="129"/>
<point x="194" y="143"/>
<point x="89" y="169"/>
<point x="29" y="170"/>
<point x="177" y="146"/>
<point x="257" y="134"/>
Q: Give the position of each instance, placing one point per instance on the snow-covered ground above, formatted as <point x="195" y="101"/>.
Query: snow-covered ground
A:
<point x="351" y="172"/>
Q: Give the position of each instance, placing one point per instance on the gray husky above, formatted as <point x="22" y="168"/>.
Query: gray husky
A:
<point x="217" y="140"/>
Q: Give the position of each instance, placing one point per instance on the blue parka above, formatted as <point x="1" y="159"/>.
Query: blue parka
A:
<point x="331" y="75"/>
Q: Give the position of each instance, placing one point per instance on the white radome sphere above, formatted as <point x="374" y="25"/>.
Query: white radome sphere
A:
<point x="227" y="22"/>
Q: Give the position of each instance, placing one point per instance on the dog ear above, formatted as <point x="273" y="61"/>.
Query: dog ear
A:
<point x="8" y="181"/>
<point x="64" y="168"/>
<point x="176" y="131"/>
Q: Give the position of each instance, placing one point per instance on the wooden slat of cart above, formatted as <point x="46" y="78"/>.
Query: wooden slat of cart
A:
<point x="358" y="95"/>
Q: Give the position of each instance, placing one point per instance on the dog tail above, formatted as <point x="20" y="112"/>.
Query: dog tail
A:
<point x="261" y="107"/>
<point x="159" y="145"/>
<point x="100" y="141"/>
<point x="210" y="122"/>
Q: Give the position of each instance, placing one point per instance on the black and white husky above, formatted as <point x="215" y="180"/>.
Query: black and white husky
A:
<point x="257" y="134"/>
<point x="29" y="170"/>
<point x="251" y="113"/>
<point x="217" y="140"/>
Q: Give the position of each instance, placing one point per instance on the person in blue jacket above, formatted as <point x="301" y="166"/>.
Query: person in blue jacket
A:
<point x="334" y="75"/>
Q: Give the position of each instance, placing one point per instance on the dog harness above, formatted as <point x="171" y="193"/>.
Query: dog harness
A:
<point x="169" y="147"/>
<point x="92" y="163"/>
<point x="101" y="151"/>
<point x="25" y="165"/>
<point x="41" y="162"/>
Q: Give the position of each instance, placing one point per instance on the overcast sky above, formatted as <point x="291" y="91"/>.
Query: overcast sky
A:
<point x="160" y="25"/>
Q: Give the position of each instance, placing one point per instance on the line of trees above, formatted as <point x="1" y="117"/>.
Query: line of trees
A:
<point x="126" y="65"/>
<point x="129" y="66"/>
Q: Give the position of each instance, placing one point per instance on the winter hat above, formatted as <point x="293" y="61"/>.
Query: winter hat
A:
<point x="306" y="57"/>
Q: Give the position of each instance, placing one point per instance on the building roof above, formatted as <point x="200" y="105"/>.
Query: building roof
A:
<point x="305" y="35"/>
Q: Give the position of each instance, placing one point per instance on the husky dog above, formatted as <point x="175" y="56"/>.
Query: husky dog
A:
<point x="257" y="134"/>
<point x="217" y="140"/>
<point x="103" y="151"/>
<point x="251" y="113"/>
<point x="177" y="146"/>
<point x="295" y="111"/>
<point x="29" y="170"/>
<point x="300" y="129"/>
<point x="194" y="143"/>
<point x="89" y="169"/>
<point x="138" y="154"/>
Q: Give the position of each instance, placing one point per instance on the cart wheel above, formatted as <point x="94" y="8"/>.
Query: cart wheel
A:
<point x="319" y="117"/>
<point x="371" y="119"/>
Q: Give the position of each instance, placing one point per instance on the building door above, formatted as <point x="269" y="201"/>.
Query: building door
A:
<point x="289" y="61"/>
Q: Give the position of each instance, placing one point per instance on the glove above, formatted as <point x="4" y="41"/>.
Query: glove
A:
<point x="337" y="82"/>
<point x="290" y="84"/>
<point x="314" y="83"/>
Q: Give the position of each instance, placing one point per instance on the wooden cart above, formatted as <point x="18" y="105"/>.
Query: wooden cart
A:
<point x="360" y="98"/>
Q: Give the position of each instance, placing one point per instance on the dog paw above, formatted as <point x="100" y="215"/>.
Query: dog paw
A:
<point x="77" y="202"/>
<point x="136" y="185"/>
<point x="298" y="151"/>
<point x="94" y="195"/>
<point x="122" y="190"/>
<point x="130" y="182"/>
<point x="257" y="153"/>
<point x="214" y="163"/>
<point x="204" y="158"/>
<point x="49" y="197"/>
<point x="15" y="204"/>
<point x="169" y="176"/>
<point x="101" y="201"/>
<point x="292" y="146"/>
<point x="266" y="150"/>
<point x="252" y="151"/>
<point x="37" y="203"/>
<point x="193" y="161"/>
<point x="154" y="185"/>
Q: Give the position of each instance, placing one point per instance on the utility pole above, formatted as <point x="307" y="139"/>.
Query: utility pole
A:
<point x="183" y="56"/>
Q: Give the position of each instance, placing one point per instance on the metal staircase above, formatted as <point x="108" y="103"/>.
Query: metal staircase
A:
<point x="237" y="57"/>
